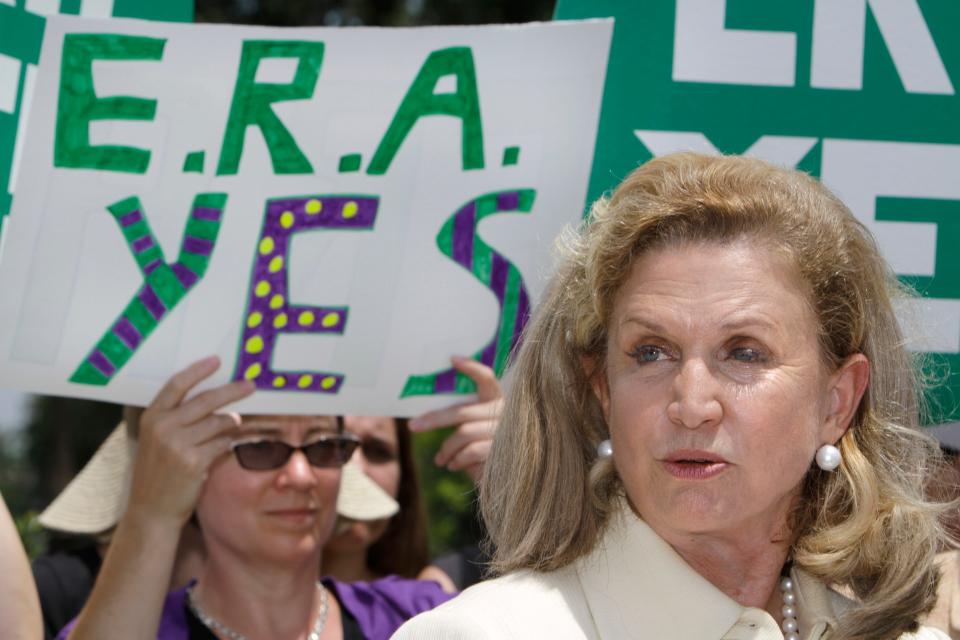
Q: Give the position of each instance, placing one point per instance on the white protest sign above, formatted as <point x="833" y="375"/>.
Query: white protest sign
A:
<point x="333" y="212"/>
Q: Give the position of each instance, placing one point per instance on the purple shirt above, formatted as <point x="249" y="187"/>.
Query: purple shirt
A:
<point x="380" y="607"/>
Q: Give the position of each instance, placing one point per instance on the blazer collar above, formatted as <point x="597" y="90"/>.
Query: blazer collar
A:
<point x="949" y="562"/>
<point x="816" y="604"/>
<point x="636" y="586"/>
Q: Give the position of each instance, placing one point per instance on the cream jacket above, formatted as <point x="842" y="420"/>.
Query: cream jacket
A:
<point x="946" y="615"/>
<point x="633" y="585"/>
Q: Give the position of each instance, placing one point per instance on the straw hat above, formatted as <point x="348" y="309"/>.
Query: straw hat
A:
<point x="361" y="498"/>
<point x="96" y="498"/>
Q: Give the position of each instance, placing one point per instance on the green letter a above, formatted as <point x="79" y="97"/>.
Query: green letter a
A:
<point x="421" y="101"/>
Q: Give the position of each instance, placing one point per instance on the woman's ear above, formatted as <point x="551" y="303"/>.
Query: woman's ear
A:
<point x="846" y="389"/>
<point x="598" y="381"/>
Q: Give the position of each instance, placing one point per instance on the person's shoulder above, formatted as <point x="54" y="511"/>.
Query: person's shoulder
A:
<point x="946" y="613"/>
<point x="388" y="602"/>
<point x="411" y="594"/>
<point x="925" y="633"/>
<point x="64" y="580"/>
<point x="536" y="585"/>
<point x="73" y="567"/>
<point x="516" y="605"/>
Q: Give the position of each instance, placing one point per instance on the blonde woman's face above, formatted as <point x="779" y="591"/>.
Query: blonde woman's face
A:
<point x="714" y="393"/>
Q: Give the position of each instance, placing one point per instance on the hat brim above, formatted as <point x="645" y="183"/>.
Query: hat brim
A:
<point x="361" y="498"/>
<point x="97" y="496"/>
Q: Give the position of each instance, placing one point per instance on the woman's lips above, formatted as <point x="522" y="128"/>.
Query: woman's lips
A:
<point x="695" y="470"/>
<point x="694" y="465"/>
<point x="293" y="515"/>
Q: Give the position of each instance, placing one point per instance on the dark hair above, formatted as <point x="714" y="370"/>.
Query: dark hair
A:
<point x="402" y="549"/>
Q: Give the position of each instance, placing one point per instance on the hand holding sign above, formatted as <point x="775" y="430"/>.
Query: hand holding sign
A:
<point x="179" y="439"/>
<point x="468" y="447"/>
<point x="285" y="200"/>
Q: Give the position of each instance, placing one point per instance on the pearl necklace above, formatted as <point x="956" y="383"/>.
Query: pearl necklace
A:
<point x="790" y="629"/>
<point x="215" y="625"/>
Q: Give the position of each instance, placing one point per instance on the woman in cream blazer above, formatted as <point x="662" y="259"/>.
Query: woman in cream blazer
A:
<point x="713" y="416"/>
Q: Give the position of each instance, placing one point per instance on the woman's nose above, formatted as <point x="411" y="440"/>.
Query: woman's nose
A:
<point x="696" y="396"/>
<point x="298" y="472"/>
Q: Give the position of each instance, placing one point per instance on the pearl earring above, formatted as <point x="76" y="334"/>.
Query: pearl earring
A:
<point x="828" y="457"/>
<point x="605" y="449"/>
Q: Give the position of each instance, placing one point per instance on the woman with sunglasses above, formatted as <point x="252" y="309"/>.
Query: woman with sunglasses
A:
<point x="264" y="490"/>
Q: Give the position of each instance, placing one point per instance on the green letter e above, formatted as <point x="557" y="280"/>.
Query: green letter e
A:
<point x="79" y="105"/>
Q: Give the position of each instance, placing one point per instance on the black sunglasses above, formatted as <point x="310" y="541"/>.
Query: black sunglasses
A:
<point x="265" y="454"/>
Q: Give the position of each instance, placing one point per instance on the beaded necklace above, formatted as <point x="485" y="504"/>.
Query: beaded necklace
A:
<point x="791" y="631"/>
<point x="218" y="627"/>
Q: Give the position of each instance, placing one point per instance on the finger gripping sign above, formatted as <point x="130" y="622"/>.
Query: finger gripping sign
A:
<point x="334" y="213"/>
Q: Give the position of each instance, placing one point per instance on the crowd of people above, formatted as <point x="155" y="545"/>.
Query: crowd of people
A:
<point x="712" y="431"/>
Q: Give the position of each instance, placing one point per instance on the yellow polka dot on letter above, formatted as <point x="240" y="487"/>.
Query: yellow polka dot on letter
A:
<point x="262" y="289"/>
<point x="276" y="301"/>
<point x="279" y="382"/>
<point x="286" y="219"/>
<point x="254" y="319"/>
<point x="276" y="264"/>
<point x="328" y="382"/>
<point x="350" y="209"/>
<point x="252" y="371"/>
<point x="266" y="246"/>
<point x="304" y="381"/>
<point x="306" y="318"/>
<point x="280" y="321"/>
<point x="255" y="344"/>
<point x="331" y="319"/>
<point x="313" y="206"/>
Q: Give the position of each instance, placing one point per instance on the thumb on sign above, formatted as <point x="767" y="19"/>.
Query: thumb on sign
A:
<point x="468" y="447"/>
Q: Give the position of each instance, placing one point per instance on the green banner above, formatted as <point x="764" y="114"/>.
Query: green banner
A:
<point x="860" y="93"/>
<point x="21" y="34"/>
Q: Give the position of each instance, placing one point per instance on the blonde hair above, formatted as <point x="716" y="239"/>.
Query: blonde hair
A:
<point x="867" y="526"/>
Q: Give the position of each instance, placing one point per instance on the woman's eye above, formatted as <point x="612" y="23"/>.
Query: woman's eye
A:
<point x="377" y="453"/>
<point x="648" y="353"/>
<point x="746" y="354"/>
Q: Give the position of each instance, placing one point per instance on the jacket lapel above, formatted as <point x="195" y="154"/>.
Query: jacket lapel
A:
<point x="815" y="604"/>
<point x="637" y="586"/>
